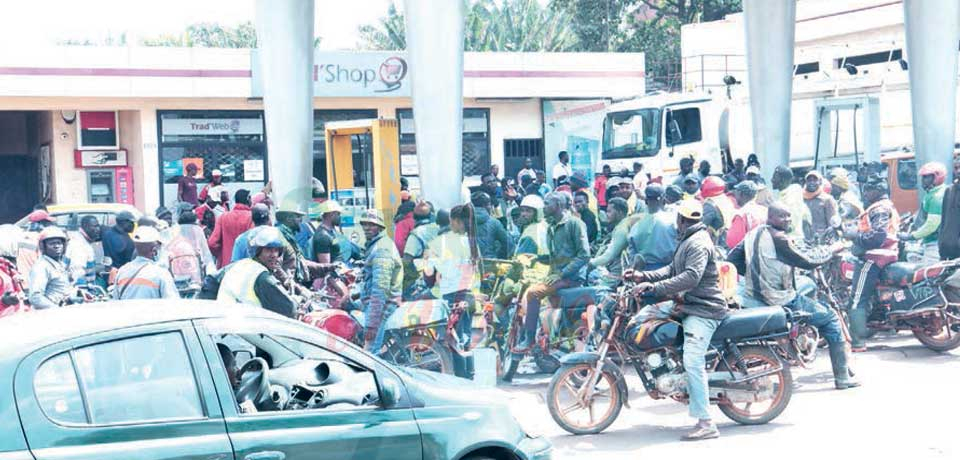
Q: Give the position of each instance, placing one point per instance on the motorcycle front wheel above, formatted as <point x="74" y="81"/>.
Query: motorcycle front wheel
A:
<point x="944" y="339"/>
<point x="777" y="386"/>
<point x="421" y="351"/>
<point x="573" y="410"/>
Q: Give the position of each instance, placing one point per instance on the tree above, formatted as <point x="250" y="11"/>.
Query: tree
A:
<point x="490" y="25"/>
<point x="209" y="35"/>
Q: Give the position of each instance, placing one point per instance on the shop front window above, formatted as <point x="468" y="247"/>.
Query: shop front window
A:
<point x="233" y="142"/>
<point x="476" y="139"/>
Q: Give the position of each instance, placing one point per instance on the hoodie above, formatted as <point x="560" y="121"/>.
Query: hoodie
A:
<point x="492" y="238"/>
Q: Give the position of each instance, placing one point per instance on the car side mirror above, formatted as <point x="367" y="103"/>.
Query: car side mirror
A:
<point x="389" y="392"/>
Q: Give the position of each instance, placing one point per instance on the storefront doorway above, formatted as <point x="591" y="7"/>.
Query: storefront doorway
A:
<point x="25" y="144"/>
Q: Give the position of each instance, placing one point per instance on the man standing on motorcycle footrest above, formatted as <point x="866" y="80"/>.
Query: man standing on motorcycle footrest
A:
<point x="143" y="277"/>
<point x="569" y="253"/>
<point x="423" y="233"/>
<point x="382" y="278"/>
<point x="932" y="177"/>
<point x="692" y="279"/>
<point x="767" y="258"/>
<point x="49" y="279"/>
<point x="875" y="243"/>
<point x="251" y="280"/>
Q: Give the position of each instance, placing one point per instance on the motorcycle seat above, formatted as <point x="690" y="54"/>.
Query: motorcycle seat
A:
<point x="579" y="297"/>
<point x="752" y="322"/>
<point x="899" y="274"/>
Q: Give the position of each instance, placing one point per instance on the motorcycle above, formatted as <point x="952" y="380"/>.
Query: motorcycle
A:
<point x="423" y="334"/>
<point x="747" y="378"/>
<point x="562" y="329"/>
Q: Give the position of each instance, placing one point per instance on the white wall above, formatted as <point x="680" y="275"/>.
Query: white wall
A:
<point x="511" y="120"/>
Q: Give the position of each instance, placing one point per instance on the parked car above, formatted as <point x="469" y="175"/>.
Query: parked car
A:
<point x="68" y="215"/>
<point x="198" y="380"/>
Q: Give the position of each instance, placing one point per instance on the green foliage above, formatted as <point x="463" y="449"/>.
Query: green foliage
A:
<point x="490" y="25"/>
<point x="209" y="35"/>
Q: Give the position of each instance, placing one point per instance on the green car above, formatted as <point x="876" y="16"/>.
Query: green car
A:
<point x="197" y="380"/>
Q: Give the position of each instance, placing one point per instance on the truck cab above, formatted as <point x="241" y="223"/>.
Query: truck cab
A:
<point x="659" y="130"/>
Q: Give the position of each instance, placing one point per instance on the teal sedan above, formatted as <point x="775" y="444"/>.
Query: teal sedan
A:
<point x="197" y="380"/>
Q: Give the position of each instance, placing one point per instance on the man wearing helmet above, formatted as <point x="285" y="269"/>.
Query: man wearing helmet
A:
<point x="875" y="243"/>
<point x="143" y="277"/>
<point x="49" y="280"/>
<point x="692" y="280"/>
<point x="718" y="208"/>
<point x="250" y="281"/>
<point x="420" y="237"/>
<point x="382" y="278"/>
<point x="949" y="247"/>
<point x="533" y="237"/>
<point x="932" y="178"/>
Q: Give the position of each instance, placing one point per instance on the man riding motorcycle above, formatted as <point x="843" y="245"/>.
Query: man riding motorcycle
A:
<point x="569" y="252"/>
<point x="849" y="205"/>
<point x="875" y="243"/>
<point x="251" y="281"/>
<point x="382" y="278"/>
<point x="423" y="233"/>
<point x="768" y="258"/>
<point x="83" y="255"/>
<point x="620" y="221"/>
<point x="692" y="281"/>
<point x="824" y="217"/>
<point x="718" y="208"/>
<point x="533" y="238"/>
<point x="49" y="279"/>
<point x="932" y="178"/>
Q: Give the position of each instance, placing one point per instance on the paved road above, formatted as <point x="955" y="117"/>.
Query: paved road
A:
<point x="908" y="408"/>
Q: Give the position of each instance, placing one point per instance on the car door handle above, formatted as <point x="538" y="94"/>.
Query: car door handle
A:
<point x="266" y="455"/>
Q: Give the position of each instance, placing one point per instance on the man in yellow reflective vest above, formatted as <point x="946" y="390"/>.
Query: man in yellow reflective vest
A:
<point x="250" y="281"/>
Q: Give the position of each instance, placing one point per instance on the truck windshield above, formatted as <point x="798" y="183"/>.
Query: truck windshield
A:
<point x="632" y="133"/>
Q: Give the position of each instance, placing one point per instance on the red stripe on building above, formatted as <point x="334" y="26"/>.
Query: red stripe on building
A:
<point x="553" y="73"/>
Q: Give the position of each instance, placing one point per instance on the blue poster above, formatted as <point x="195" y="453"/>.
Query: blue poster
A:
<point x="172" y="168"/>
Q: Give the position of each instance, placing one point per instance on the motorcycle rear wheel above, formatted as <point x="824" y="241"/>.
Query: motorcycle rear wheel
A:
<point x="563" y="400"/>
<point x="422" y="352"/>
<point x="757" y="359"/>
<point x="941" y="342"/>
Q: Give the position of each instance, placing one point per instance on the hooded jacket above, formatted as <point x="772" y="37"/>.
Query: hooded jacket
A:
<point x="692" y="279"/>
<point x="492" y="238"/>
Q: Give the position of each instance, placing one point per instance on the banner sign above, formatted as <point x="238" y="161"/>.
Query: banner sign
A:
<point x="211" y="126"/>
<point x="351" y="74"/>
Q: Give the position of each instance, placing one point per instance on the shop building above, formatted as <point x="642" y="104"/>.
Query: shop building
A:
<point x="81" y="124"/>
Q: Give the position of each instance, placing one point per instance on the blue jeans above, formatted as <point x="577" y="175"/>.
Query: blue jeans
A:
<point x="822" y="318"/>
<point x="697" y="333"/>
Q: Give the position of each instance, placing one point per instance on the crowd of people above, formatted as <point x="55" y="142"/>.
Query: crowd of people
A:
<point x="254" y="252"/>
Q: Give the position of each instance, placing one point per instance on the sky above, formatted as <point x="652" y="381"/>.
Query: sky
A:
<point x="47" y="21"/>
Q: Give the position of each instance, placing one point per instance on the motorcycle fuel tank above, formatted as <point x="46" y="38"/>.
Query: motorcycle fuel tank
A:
<point x="418" y="313"/>
<point x="652" y="334"/>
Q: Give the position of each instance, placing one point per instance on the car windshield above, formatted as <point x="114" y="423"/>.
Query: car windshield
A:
<point x="631" y="133"/>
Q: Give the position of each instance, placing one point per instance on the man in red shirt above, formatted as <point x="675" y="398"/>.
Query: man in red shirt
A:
<point x="229" y="226"/>
<point x="187" y="186"/>
<point x="216" y="179"/>
<point x="600" y="186"/>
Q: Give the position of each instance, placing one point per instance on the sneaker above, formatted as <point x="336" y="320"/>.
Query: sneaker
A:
<point x="702" y="431"/>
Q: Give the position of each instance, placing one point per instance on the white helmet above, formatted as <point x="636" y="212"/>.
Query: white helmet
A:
<point x="532" y="201"/>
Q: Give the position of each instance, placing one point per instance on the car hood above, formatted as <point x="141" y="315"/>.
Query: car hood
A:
<point x="436" y="389"/>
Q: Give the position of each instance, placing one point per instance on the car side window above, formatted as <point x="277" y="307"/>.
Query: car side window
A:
<point x="58" y="391"/>
<point x="136" y="380"/>
<point x="278" y="373"/>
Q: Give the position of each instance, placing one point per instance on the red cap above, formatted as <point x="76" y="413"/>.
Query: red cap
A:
<point x="712" y="186"/>
<point x="39" y="216"/>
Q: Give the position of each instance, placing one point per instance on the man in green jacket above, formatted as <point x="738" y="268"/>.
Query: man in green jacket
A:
<point x="620" y="220"/>
<point x="382" y="278"/>
<point x="932" y="178"/>
<point x="569" y="253"/>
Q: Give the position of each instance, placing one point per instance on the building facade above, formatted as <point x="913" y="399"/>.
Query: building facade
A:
<point x="80" y="124"/>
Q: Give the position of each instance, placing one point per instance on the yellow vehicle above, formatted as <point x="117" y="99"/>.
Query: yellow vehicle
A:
<point x="68" y="216"/>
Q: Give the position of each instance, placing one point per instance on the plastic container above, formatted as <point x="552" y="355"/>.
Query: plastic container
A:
<point x="485" y="367"/>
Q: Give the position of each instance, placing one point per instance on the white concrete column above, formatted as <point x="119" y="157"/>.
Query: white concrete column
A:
<point x="932" y="28"/>
<point x="285" y="40"/>
<point x="435" y="51"/>
<point x="770" y="31"/>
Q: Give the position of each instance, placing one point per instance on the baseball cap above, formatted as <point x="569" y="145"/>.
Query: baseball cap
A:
<point x="692" y="177"/>
<point x="372" y="216"/>
<point x="216" y="172"/>
<point x="330" y="206"/>
<point x="145" y="234"/>
<point x="653" y="191"/>
<point x="41" y="216"/>
<point x="753" y="170"/>
<point x="690" y="209"/>
<point x="747" y="186"/>
<point x="125" y="215"/>
<point x="532" y="201"/>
